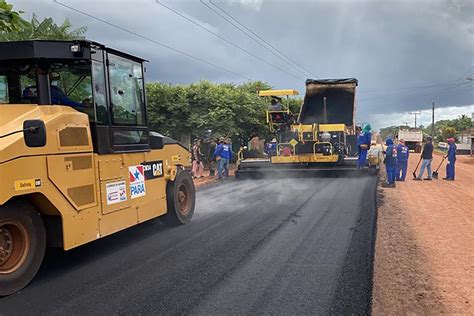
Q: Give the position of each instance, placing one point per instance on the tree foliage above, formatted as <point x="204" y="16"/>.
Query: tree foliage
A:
<point x="227" y="109"/>
<point x="443" y="129"/>
<point x="46" y="29"/>
<point x="391" y="131"/>
<point x="449" y="128"/>
<point x="10" y="20"/>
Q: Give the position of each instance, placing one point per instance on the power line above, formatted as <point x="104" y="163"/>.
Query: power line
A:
<point x="449" y="83"/>
<point x="441" y="84"/>
<point x="285" y="58"/>
<point x="414" y="93"/>
<point x="457" y="85"/>
<point x="152" y="40"/>
<point x="224" y="39"/>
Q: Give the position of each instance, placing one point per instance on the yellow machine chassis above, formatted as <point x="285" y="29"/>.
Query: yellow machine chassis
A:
<point x="67" y="179"/>
<point x="303" y="158"/>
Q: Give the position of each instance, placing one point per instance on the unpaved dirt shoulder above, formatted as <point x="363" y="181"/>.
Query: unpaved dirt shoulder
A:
<point x="424" y="251"/>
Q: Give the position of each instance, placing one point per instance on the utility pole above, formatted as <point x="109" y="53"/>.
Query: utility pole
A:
<point x="415" y="113"/>
<point x="432" y="122"/>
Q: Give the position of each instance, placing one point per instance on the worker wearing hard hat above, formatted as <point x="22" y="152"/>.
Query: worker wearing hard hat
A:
<point x="402" y="160"/>
<point x="275" y="105"/>
<point x="390" y="163"/>
<point x="271" y="147"/>
<point x="451" y="160"/>
<point x="363" y="144"/>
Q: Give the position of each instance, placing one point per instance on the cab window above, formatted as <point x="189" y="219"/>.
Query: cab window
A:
<point x="17" y="83"/>
<point x="126" y="92"/>
<point x="70" y="84"/>
<point x="99" y="91"/>
<point x="3" y="89"/>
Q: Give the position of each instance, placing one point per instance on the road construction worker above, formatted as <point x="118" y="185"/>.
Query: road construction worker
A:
<point x="275" y="105"/>
<point x="363" y="144"/>
<point x="222" y="155"/>
<point x="390" y="163"/>
<point x="402" y="160"/>
<point x="272" y="147"/>
<point x="197" y="157"/>
<point x="427" y="158"/>
<point x="58" y="97"/>
<point x="451" y="160"/>
<point x="374" y="154"/>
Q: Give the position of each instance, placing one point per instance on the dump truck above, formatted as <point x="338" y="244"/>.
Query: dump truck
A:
<point x="413" y="138"/>
<point x="78" y="161"/>
<point x="320" y="139"/>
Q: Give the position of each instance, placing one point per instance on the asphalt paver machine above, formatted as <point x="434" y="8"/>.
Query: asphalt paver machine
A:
<point x="321" y="139"/>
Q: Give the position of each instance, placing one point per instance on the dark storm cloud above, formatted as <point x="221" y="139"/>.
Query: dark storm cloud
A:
<point x="389" y="46"/>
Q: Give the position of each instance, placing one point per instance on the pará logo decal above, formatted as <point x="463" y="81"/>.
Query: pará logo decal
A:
<point x="137" y="181"/>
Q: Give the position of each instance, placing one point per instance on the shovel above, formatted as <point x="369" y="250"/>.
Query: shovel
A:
<point x="418" y="164"/>
<point x="435" y="174"/>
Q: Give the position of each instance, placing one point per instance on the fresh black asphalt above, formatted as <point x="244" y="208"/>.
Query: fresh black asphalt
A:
<point x="300" y="246"/>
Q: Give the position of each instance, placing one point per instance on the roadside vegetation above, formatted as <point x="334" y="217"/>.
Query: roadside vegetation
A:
<point x="444" y="129"/>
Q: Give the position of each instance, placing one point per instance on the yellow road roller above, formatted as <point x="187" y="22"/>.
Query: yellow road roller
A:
<point x="78" y="161"/>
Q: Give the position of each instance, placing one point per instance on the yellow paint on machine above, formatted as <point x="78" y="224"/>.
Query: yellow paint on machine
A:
<point x="70" y="180"/>
<point x="277" y="93"/>
<point x="332" y="127"/>
<point x="305" y="158"/>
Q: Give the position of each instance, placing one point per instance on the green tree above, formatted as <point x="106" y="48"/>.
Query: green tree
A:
<point x="227" y="109"/>
<point x="389" y="131"/>
<point x="46" y="29"/>
<point x="449" y="127"/>
<point x="447" y="132"/>
<point x="10" y="21"/>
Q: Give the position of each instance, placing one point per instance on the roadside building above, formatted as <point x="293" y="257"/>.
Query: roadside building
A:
<point x="466" y="142"/>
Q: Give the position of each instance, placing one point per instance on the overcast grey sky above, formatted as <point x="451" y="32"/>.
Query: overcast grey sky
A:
<point x="394" y="48"/>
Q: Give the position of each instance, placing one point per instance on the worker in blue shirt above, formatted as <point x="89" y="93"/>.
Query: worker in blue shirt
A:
<point x="390" y="163"/>
<point x="451" y="160"/>
<point x="60" y="98"/>
<point x="271" y="147"/>
<point x="402" y="160"/>
<point x="363" y="144"/>
<point x="223" y="155"/>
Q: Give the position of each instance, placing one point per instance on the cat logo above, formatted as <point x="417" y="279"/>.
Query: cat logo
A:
<point x="153" y="169"/>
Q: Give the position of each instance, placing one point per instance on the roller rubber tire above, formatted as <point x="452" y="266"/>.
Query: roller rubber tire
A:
<point x="180" y="199"/>
<point x="22" y="227"/>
